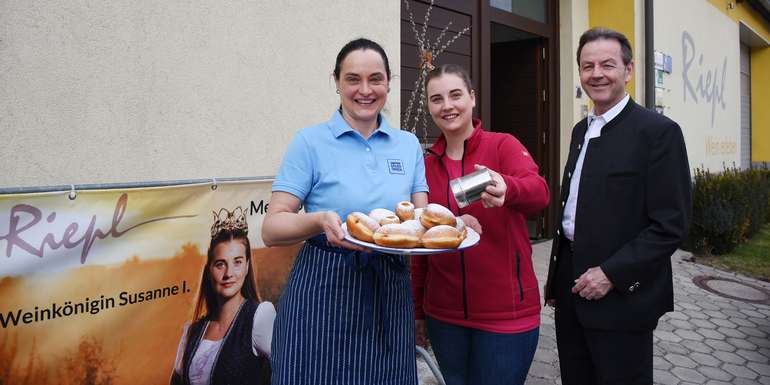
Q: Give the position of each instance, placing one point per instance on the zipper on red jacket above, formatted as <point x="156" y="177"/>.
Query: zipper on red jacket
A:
<point x="462" y="253"/>
<point x="465" y="289"/>
<point x="518" y="275"/>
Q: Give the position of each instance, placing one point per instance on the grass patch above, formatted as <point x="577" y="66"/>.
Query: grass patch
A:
<point x="751" y="258"/>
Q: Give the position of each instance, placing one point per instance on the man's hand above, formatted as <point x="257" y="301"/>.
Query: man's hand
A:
<point x="593" y="284"/>
<point x="551" y="302"/>
<point x="420" y="334"/>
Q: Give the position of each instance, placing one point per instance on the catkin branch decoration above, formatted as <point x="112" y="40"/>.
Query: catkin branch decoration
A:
<point x="415" y="116"/>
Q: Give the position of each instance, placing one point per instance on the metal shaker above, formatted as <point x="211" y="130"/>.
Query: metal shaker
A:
<point x="468" y="188"/>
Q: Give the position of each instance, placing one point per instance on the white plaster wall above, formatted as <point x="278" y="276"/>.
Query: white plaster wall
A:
<point x="710" y="119"/>
<point x="573" y="19"/>
<point x="108" y="91"/>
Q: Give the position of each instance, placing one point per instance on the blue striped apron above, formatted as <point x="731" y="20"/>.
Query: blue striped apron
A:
<point x="345" y="317"/>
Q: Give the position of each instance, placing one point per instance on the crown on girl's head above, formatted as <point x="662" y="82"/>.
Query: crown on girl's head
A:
<point x="227" y="220"/>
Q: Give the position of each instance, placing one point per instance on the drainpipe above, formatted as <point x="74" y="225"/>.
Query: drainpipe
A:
<point x="649" y="56"/>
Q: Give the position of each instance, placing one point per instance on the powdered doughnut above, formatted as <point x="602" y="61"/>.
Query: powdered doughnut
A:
<point x="435" y="214"/>
<point x="396" y="235"/>
<point x="384" y="216"/>
<point x="441" y="237"/>
<point x="416" y="226"/>
<point x="361" y="226"/>
<point x="405" y="211"/>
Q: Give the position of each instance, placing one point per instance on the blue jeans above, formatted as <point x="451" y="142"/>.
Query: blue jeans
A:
<point x="469" y="356"/>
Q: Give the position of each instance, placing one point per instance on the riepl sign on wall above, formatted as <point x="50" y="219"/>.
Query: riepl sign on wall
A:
<point x="702" y="92"/>
<point x="703" y="82"/>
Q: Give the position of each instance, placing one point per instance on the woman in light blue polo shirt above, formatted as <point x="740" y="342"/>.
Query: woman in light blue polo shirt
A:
<point x="345" y="315"/>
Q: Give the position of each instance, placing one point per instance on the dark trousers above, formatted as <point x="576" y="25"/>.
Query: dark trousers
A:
<point x="469" y="356"/>
<point x="591" y="356"/>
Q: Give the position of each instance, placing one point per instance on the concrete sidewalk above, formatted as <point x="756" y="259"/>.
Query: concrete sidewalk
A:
<point x="708" y="339"/>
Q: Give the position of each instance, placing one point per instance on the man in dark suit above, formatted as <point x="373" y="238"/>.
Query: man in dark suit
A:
<point x="626" y="207"/>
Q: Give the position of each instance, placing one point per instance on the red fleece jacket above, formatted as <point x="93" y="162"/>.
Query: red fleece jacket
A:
<point x="493" y="280"/>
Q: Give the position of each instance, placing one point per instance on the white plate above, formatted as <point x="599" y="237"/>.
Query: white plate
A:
<point x="471" y="239"/>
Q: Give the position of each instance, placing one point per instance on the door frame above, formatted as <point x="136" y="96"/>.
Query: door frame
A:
<point x="548" y="83"/>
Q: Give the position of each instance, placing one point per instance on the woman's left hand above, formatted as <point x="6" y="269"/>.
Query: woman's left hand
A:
<point x="494" y="195"/>
<point x="471" y="222"/>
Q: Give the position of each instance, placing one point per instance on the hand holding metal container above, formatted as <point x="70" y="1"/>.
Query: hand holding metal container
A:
<point x="468" y="188"/>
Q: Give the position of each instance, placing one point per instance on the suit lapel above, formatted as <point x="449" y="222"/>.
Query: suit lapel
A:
<point x="578" y="135"/>
<point x="620" y="117"/>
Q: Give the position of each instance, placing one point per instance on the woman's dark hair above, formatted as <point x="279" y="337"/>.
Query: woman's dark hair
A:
<point x="452" y="69"/>
<point x="606" y="33"/>
<point x="362" y="44"/>
<point x="207" y="298"/>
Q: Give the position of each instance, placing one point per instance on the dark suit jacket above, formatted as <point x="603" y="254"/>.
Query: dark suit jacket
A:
<point x="633" y="211"/>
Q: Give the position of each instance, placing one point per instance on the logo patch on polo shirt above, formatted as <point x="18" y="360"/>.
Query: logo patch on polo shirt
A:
<point x="396" y="166"/>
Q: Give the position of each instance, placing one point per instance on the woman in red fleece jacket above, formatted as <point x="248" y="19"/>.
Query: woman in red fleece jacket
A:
<point x="481" y="306"/>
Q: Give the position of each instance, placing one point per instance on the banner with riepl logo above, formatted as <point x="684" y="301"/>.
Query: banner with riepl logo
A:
<point x="97" y="289"/>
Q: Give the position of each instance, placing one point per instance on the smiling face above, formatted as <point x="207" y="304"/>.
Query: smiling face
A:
<point x="603" y="74"/>
<point x="228" y="269"/>
<point x="363" y="86"/>
<point x="451" y="103"/>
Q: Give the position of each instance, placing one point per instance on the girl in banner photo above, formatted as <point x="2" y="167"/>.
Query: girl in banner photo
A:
<point x="346" y="315"/>
<point x="229" y="340"/>
<point x="481" y="305"/>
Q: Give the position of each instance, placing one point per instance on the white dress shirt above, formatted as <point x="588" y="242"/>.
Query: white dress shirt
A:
<point x="595" y="124"/>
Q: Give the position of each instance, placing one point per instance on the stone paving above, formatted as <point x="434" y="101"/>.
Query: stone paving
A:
<point x="708" y="339"/>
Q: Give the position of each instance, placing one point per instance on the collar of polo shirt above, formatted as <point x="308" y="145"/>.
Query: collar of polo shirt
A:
<point x="339" y="126"/>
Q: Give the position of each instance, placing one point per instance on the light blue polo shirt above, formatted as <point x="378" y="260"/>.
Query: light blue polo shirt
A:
<point x="331" y="167"/>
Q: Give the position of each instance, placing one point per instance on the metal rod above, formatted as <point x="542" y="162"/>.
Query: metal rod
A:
<point x="129" y="185"/>
<point x="431" y="365"/>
